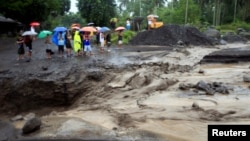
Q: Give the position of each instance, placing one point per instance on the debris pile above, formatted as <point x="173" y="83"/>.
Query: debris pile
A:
<point x="172" y="35"/>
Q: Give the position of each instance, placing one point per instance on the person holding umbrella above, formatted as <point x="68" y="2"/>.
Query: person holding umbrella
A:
<point x="28" y="42"/>
<point x="61" y="43"/>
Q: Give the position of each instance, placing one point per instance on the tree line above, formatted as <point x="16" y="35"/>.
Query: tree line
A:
<point x="55" y="12"/>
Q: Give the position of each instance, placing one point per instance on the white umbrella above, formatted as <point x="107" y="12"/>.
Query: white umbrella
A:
<point x="98" y="28"/>
<point x="29" y="33"/>
<point x="90" y="24"/>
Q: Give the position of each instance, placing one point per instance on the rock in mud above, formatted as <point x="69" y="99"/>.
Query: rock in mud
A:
<point x="201" y="85"/>
<point x="96" y="76"/>
<point x="31" y="125"/>
<point x="246" y="78"/>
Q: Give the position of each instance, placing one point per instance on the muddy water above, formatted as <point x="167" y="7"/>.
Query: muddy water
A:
<point x="167" y="114"/>
<point x="190" y="126"/>
<point x="142" y="104"/>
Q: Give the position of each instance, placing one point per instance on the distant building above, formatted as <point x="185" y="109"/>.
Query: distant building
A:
<point x="9" y="26"/>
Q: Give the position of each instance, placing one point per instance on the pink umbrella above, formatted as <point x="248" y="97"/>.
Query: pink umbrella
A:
<point x="120" y="28"/>
<point x="88" y="29"/>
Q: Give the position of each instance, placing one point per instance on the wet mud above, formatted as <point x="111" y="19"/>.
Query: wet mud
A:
<point x="133" y="93"/>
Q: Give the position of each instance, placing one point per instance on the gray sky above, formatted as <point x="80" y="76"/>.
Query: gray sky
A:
<point x="73" y="7"/>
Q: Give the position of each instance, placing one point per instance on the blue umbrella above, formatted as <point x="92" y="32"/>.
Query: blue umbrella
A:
<point x="55" y="35"/>
<point x="60" y="28"/>
<point x="104" y="29"/>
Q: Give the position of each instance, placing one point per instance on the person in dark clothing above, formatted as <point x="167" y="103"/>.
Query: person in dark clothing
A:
<point x="120" y="39"/>
<point x="20" y="43"/>
<point x="97" y="38"/>
<point x="68" y="38"/>
<point x="113" y="22"/>
<point x="108" y="41"/>
<point x="28" y="42"/>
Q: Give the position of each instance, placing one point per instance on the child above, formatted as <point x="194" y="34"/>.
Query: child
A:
<point x="20" y="43"/>
<point x="48" y="48"/>
<point x="87" y="46"/>
<point x="61" y="45"/>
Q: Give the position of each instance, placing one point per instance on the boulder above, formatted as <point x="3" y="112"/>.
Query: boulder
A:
<point x="31" y="125"/>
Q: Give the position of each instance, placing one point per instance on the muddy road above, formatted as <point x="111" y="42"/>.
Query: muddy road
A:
<point x="134" y="93"/>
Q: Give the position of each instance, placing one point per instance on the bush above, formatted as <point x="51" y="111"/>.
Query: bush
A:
<point x="127" y="36"/>
<point x="235" y="26"/>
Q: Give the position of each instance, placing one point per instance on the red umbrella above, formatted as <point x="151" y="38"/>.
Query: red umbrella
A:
<point x="120" y="28"/>
<point x="34" y="24"/>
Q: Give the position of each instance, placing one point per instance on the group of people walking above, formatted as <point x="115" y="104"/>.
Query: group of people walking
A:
<point x="80" y="42"/>
<point x="75" y="42"/>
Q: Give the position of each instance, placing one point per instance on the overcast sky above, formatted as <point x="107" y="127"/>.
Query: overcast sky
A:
<point x="73" y="7"/>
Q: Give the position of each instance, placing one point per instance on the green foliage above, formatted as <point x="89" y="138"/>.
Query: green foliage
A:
<point x="33" y="10"/>
<point x="235" y="26"/>
<point x="127" y="36"/>
<point x="97" y="11"/>
<point x="133" y="6"/>
<point x="70" y="18"/>
<point x="193" y="12"/>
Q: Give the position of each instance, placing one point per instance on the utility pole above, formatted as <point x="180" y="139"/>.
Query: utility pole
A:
<point x="235" y="7"/>
<point x="155" y="9"/>
<point x="140" y="8"/>
<point x="213" y="9"/>
<point x="186" y="12"/>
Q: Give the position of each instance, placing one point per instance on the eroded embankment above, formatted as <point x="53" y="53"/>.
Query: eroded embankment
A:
<point x="20" y="94"/>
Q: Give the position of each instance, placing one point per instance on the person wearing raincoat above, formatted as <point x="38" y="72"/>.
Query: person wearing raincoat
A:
<point x="77" y="43"/>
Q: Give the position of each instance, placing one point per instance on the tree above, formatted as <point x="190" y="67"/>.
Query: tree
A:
<point x="33" y="10"/>
<point x="97" y="11"/>
<point x="64" y="6"/>
<point x="193" y="16"/>
<point x="70" y="18"/>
